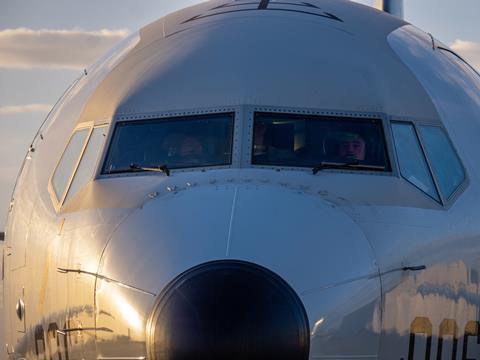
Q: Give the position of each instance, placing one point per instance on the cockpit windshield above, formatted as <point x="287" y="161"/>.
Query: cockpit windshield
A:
<point x="170" y="143"/>
<point x="319" y="142"/>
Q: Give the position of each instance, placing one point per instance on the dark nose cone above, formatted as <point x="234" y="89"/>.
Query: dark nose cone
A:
<point x="229" y="310"/>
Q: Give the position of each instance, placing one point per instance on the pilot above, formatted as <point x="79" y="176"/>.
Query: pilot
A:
<point x="191" y="150"/>
<point x="351" y="146"/>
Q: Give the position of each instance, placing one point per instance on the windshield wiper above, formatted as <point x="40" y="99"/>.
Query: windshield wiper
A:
<point x="161" y="168"/>
<point x="344" y="165"/>
<point x="135" y="167"/>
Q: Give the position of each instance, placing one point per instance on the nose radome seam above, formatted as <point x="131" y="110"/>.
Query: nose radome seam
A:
<point x="230" y="225"/>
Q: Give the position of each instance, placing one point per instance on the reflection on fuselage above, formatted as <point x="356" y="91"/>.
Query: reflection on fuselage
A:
<point x="205" y="141"/>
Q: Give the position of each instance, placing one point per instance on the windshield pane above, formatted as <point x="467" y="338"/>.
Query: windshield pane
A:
<point x="67" y="164"/>
<point x="307" y="141"/>
<point x="194" y="141"/>
<point x="411" y="159"/>
<point x="445" y="163"/>
<point x="89" y="161"/>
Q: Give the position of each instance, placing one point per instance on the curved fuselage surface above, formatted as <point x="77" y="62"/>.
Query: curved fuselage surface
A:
<point x="333" y="214"/>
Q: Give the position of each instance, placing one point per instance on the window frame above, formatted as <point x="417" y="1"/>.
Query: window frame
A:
<point x="90" y="125"/>
<point x="325" y="115"/>
<point x="427" y="162"/>
<point x="461" y="186"/>
<point x="445" y="202"/>
<point x="231" y="112"/>
<point x="93" y="175"/>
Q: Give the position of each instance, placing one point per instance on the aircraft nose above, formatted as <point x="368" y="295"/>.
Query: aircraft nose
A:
<point x="228" y="310"/>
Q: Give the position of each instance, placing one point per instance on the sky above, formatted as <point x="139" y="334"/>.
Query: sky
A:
<point x="44" y="46"/>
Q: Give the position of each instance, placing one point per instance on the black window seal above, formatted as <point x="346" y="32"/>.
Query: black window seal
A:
<point x="458" y="57"/>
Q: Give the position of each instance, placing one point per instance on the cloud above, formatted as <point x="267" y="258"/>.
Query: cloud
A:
<point x="469" y="50"/>
<point x="24" y="48"/>
<point x="30" y="108"/>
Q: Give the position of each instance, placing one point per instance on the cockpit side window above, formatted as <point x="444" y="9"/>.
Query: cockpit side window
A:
<point x="68" y="162"/>
<point x="444" y="161"/>
<point x="89" y="160"/>
<point x="412" y="162"/>
<point x="310" y="141"/>
<point x="170" y="143"/>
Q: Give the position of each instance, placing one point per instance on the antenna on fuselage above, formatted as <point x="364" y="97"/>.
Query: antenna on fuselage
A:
<point x="394" y="7"/>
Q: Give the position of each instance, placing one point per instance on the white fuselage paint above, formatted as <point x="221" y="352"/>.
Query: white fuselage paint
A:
<point x="374" y="260"/>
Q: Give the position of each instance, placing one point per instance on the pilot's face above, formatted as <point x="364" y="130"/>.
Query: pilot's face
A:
<point x="191" y="147"/>
<point x="353" y="149"/>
